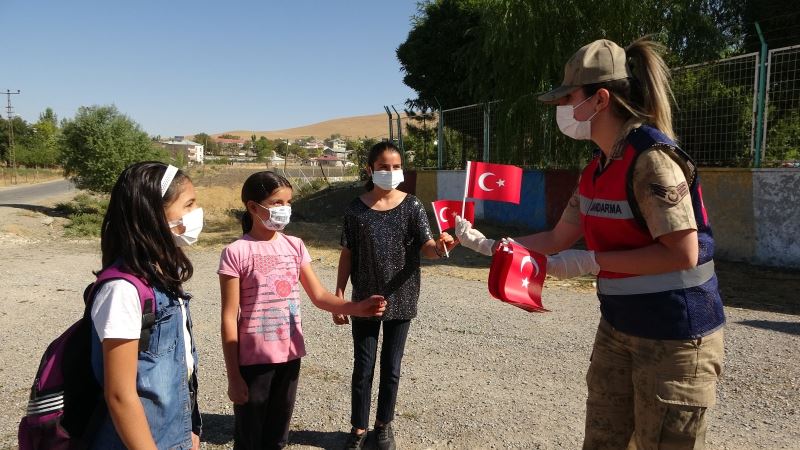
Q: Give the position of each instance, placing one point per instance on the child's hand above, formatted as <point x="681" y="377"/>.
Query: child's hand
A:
<point x="448" y="241"/>
<point x="237" y="390"/>
<point x="369" y="307"/>
<point x="340" y="319"/>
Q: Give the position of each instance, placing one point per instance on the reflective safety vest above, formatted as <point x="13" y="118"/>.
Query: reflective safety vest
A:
<point x="684" y="304"/>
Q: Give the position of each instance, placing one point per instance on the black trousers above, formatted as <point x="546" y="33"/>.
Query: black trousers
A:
<point x="263" y="422"/>
<point x="365" y="347"/>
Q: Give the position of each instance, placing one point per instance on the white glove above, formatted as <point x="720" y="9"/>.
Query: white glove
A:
<point x="472" y="238"/>
<point x="572" y="263"/>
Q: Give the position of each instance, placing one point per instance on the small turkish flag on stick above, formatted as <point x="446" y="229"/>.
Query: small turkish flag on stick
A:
<point x="446" y="210"/>
<point x="500" y="182"/>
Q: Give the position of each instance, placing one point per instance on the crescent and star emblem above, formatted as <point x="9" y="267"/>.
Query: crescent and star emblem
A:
<point x="442" y="217"/>
<point x="528" y="259"/>
<point x="482" y="181"/>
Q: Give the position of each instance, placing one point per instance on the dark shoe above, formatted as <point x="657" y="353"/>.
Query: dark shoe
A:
<point x="385" y="437"/>
<point x="355" y="441"/>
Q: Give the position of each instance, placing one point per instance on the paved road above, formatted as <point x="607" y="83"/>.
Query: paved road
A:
<point x="33" y="193"/>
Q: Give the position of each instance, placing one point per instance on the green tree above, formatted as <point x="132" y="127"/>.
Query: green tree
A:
<point x="40" y="148"/>
<point x="264" y="148"/>
<point x="476" y="51"/>
<point x="440" y="37"/>
<point x="99" y="142"/>
<point x="22" y="132"/>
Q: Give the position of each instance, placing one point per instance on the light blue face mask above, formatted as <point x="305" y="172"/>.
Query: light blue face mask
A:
<point x="278" y="217"/>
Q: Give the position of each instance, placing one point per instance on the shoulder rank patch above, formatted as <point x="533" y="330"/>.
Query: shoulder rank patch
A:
<point x="670" y="194"/>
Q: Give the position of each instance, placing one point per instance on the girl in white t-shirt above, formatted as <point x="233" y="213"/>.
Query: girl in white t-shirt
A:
<point x="148" y="386"/>
<point x="262" y="336"/>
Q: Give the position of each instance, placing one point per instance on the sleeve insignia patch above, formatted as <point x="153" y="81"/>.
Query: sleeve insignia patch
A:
<point x="670" y="194"/>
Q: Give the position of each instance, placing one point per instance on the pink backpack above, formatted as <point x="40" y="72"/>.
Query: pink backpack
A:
<point x="66" y="404"/>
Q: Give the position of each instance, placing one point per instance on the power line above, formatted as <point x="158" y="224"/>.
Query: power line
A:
<point x="10" y="111"/>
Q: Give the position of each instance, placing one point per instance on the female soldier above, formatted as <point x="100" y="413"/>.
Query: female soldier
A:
<point x="658" y="349"/>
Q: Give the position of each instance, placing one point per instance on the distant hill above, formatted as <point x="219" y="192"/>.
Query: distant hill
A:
<point x="372" y="126"/>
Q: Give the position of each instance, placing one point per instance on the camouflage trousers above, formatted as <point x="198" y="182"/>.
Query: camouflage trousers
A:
<point x="650" y="394"/>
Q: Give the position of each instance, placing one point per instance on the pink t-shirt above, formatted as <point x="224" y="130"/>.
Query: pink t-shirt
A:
<point x="270" y="329"/>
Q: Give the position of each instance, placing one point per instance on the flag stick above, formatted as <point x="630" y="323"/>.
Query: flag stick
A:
<point x="439" y="226"/>
<point x="466" y="181"/>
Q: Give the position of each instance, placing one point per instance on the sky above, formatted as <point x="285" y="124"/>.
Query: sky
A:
<point x="182" y="67"/>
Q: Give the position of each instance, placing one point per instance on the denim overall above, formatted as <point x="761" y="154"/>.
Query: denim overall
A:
<point x="167" y="395"/>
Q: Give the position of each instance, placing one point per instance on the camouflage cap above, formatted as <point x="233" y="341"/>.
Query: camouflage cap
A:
<point x="600" y="61"/>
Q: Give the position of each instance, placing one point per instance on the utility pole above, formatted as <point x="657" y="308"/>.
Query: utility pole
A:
<point x="10" y="112"/>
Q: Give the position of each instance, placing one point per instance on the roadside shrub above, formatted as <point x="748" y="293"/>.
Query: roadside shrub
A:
<point x="85" y="213"/>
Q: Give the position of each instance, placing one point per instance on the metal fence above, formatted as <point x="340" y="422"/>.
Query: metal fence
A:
<point x="781" y="140"/>
<point x="715" y="110"/>
<point x="725" y="115"/>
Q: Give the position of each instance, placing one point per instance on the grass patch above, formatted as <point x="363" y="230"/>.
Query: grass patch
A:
<point x="25" y="175"/>
<point x="85" y="213"/>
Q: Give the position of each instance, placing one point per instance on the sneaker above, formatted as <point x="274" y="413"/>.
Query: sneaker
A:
<point x="355" y="441"/>
<point x="385" y="437"/>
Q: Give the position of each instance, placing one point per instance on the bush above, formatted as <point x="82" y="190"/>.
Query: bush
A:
<point x="85" y="213"/>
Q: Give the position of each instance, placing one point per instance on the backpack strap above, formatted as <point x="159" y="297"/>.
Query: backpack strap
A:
<point x="147" y="299"/>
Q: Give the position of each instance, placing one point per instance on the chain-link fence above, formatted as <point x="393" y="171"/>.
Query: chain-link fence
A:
<point x="782" y="112"/>
<point x="716" y="118"/>
<point x="416" y="135"/>
<point x="715" y="107"/>
<point x="520" y="132"/>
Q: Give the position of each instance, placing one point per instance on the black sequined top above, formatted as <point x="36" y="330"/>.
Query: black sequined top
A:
<point x="385" y="248"/>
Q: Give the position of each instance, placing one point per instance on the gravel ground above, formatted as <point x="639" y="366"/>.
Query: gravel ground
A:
<point x="477" y="373"/>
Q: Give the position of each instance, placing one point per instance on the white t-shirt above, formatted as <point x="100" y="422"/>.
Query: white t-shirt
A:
<point x="122" y="317"/>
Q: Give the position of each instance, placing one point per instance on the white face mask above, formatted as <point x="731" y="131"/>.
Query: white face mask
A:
<point x="565" y="118"/>
<point x="278" y="217"/>
<point x="192" y="223"/>
<point x="387" y="179"/>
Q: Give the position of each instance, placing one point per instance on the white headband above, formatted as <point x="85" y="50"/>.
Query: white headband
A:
<point x="166" y="180"/>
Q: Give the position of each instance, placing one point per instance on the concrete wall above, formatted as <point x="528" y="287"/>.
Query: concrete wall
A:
<point x="450" y="186"/>
<point x="426" y="187"/>
<point x="776" y="204"/>
<point x="530" y="214"/>
<point x="728" y="196"/>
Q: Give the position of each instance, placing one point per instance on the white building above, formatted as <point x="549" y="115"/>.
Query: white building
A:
<point x="339" y="144"/>
<point x="193" y="151"/>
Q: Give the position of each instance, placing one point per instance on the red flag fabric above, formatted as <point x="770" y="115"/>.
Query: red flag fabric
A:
<point x="516" y="276"/>
<point x="446" y="210"/>
<point x="500" y="182"/>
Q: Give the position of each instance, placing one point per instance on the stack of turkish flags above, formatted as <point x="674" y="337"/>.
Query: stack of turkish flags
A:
<point x="516" y="276"/>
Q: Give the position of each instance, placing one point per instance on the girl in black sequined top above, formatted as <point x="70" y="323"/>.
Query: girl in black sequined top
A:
<point x="385" y="233"/>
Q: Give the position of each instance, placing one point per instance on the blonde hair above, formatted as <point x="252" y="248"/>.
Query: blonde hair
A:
<point x="646" y="96"/>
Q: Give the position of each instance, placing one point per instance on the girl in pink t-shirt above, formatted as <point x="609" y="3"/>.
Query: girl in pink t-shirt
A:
<point x="262" y="336"/>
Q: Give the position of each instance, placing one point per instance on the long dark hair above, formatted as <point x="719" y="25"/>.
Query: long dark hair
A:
<point x="135" y="233"/>
<point x="257" y="187"/>
<point x="374" y="152"/>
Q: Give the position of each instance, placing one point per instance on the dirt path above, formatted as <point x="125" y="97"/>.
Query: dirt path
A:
<point x="477" y="373"/>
